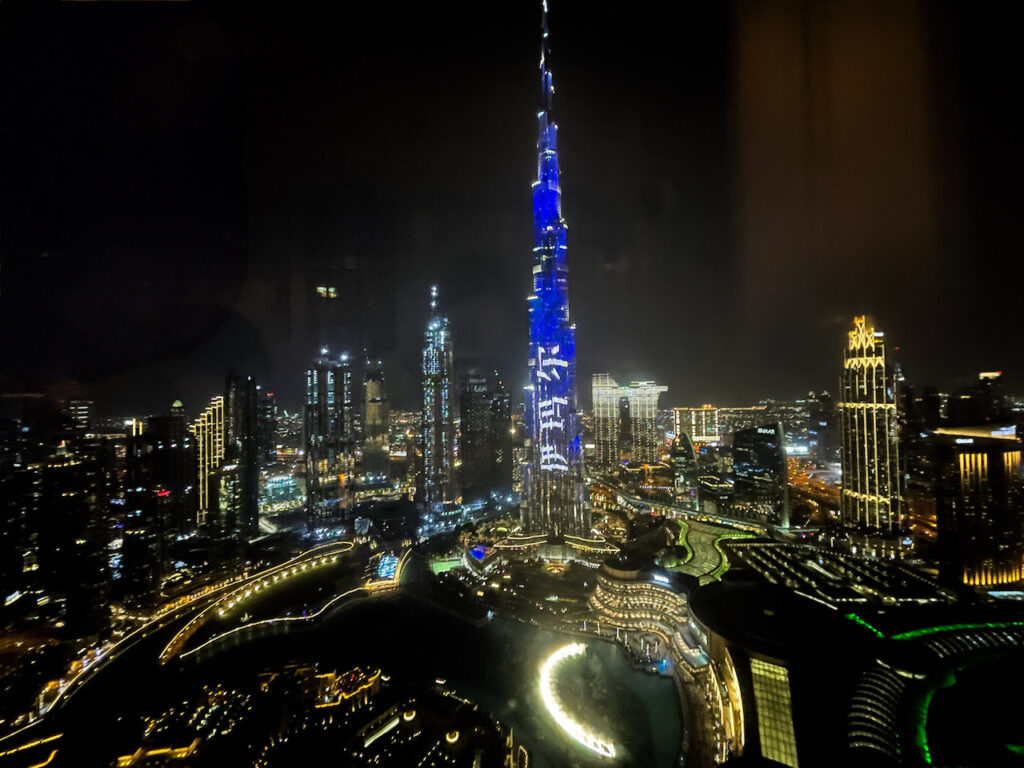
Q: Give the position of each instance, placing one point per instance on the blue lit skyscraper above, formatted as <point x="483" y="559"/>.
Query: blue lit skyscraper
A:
<point x="553" y="501"/>
<point x="438" y="482"/>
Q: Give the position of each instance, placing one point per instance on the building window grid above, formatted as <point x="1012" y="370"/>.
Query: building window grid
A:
<point x="774" y="712"/>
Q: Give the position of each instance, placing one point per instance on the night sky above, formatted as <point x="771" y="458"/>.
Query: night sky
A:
<point x="738" y="182"/>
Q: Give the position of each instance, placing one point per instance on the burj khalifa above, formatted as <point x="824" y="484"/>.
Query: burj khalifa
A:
<point x="554" y="498"/>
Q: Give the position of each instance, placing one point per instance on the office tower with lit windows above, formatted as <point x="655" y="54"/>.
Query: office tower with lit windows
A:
<point x="327" y="428"/>
<point x="554" y="495"/>
<point x="376" y="420"/>
<point x="476" y="453"/>
<point x="643" y="419"/>
<point x="699" y="424"/>
<point x="979" y="504"/>
<point x="625" y="420"/>
<point x="208" y="434"/>
<point x="871" y="496"/>
<point x="242" y="449"/>
<point x="80" y="412"/>
<point x="146" y="523"/>
<point x="762" y="478"/>
<point x="173" y="462"/>
<point x="266" y="420"/>
<point x="683" y="461"/>
<point x="502" y="436"/>
<point x="485" y="446"/>
<point x="605" y="402"/>
<point x="439" y="482"/>
<point x="822" y="435"/>
<point x="983" y="402"/>
<point x="71" y="490"/>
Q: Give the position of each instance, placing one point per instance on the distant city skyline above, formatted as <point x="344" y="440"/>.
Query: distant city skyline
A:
<point x="715" y="230"/>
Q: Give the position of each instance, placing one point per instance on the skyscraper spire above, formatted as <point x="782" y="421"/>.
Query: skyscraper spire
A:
<point x="547" y="87"/>
<point x="553" y="501"/>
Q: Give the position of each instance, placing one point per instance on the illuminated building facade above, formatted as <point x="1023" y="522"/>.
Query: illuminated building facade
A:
<point x="605" y="400"/>
<point x="208" y="431"/>
<point x="376" y="420"/>
<point x="625" y="421"/>
<point x="438" y="427"/>
<point x="643" y="420"/>
<point x="80" y="412"/>
<point x="632" y="597"/>
<point x="554" y="495"/>
<point x="870" y="450"/>
<point x="699" y="424"/>
<point x="328" y="428"/>
<point x="980" y="505"/>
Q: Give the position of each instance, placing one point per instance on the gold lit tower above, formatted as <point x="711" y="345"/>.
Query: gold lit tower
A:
<point x="870" y="455"/>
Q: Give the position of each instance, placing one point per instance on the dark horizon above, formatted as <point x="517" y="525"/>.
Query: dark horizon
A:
<point x="176" y="177"/>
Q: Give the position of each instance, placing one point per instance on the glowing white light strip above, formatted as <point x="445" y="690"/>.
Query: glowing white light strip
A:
<point x="577" y="730"/>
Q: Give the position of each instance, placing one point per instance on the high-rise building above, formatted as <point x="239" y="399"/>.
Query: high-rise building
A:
<point x="328" y="428"/>
<point x="984" y="402"/>
<point x="173" y="464"/>
<point x="475" y="438"/>
<point x="822" y="435"/>
<point x="683" y="461"/>
<point x="502" y="436"/>
<point x="643" y="419"/>
<point x="208" y="432"/>
<point x="266" y="418"/>
<point x="376" y="420"/>
<point x="871" y="496"/>
<point x="554" y="495"/>
<point x="607" y="415"/>
<point x="80" y="412"/>
<point x="625" y="421"/>
<point x="699" y="424"/>
<point x="438" y="427"/>
<point x="761" y="491"/>
<point x="146" y="522"/>
<point x="486" y="438"/>
<point x="979" y="505"/>
<point x="71" y="538"/>
<point x="242" y="449"/>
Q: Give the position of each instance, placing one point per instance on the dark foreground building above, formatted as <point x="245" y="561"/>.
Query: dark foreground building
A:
<point x="820" y="658"/>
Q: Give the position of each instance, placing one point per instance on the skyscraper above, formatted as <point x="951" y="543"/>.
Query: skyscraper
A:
<point x="699" y="424"/>
<point x="625" y="420"/>
<point x="266" y="419"/>
<point x="554" y="496"/>
<point x="762" y="477"/>
<point x="980" y="504"/>
<point x="376" y="419"/>
<point x="81" y="413"/>
<point x="208" y="431"/>
<point x="870" y="451"/>
<point x="605" y="400"/>
<point x="328" y="429"/>
<point x="475" y="449"/>
<point x="485" y="446"/>
<point x="438" y="427"/>
<point x="242" y="449"/>
<point x="683" y="461"/>
<point x="643" y="419"/>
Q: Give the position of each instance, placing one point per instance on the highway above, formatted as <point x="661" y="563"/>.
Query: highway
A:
<point x="159" y="625"/>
